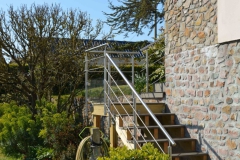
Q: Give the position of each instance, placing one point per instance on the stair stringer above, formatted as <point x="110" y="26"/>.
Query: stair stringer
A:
<point x="123" y="135"/>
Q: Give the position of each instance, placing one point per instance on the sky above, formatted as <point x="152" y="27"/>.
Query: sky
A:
<point x="93" y="7"/>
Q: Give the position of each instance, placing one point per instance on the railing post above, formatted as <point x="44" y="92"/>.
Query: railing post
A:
<point x="104" y="82"/>
<point x="108" y="92"/>
<point x="86" y="88"/>
<point x="170" y="151"/>
<point x="147" y="72"/>
<point x="134" y="107"/>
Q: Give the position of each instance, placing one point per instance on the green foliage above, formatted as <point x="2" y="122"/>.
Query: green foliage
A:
<point x="148" y="152"/>
<point x="60" y="132"/>
<point x="135" y="15"/>
<point x="18" y="130"/>
<point x="139" y="82"/>
<point x="97" y="93"/>
<point x="158" y="74"/>
<point x="157" y="59"/>
<point x="42" y="42"/>
<point x="5" y="157"/>
<point x="49" y="134"/>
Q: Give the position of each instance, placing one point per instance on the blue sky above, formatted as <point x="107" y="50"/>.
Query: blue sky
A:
<point x="93" y="7"/>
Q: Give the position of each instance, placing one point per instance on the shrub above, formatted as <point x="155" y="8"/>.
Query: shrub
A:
<point x="18" y="130"/>
<point x="148" y="152"/>
<point x="139" y="82"/>
<point x="48" y="135"/>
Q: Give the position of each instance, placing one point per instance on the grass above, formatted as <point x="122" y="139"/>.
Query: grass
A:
<point x="95" y="93"/>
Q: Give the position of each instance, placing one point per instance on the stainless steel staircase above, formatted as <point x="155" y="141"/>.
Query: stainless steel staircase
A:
<point x="138" y="122"/>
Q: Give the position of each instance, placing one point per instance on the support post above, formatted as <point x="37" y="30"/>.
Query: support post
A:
<point x="109" y="93"/>
<point x="134" y="107"/>
<point x="113" y="136"/>
<point x="86" y="89"/>
<point x="95" y="133"/>
<point x="170" y="151"/>
<point x="104" y="82"/>
<point x="96" y="121"/>
<point x="147" y="73"/>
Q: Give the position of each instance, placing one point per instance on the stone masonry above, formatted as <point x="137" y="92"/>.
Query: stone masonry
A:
<point x="203" y="77"/>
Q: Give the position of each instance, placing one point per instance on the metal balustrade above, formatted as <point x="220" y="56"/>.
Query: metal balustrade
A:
<point x="115" y="112"/>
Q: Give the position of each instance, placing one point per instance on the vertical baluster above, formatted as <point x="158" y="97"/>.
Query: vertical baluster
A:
<point x="86" y="88"/>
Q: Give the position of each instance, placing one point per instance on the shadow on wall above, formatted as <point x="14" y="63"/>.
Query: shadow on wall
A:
<point x="201" y="140"/>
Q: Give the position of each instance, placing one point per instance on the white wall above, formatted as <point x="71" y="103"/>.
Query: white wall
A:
<point x="228" y="20"/>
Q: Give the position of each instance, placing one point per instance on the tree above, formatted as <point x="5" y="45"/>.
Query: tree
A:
<point x="46" y="46"/>
<point x="135" y="15"/>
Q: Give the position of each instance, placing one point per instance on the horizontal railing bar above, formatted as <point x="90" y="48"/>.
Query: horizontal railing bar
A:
<point x="143" y="103"/>
<point x="146" y="47"/>
<point x="93" y="59"/>
<point x="111" y="71"/>
<point x="115" y="52"/>
<point x="96" y="47"/>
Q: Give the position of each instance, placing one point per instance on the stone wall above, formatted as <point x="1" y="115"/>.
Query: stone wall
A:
<point x="203" y="77"/>
<point x="190" y="24"/>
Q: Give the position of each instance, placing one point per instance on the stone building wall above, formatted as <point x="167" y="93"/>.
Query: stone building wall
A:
<point x="203" y="77"/>
<point x="190" y="24"/>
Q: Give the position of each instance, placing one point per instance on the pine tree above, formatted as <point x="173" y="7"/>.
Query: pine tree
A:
<point x="135" y="15"/>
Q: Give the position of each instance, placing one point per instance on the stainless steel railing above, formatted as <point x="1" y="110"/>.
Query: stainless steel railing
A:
<point x="113" y="111"/>
<point x="159" y="60"/>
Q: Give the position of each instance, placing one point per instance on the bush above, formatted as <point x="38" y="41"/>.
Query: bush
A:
<point x="97" y="93"/>
<point x="60" y="133"/>
<point x="18" y="131"/>
<point x="49" y="135"/>
<point x="148" y="152"/>
<point x="139" y="82"/>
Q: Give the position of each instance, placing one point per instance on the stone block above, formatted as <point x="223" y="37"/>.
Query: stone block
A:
<point x="229" y="100"/>
<point x="233" y="133"/>
<point x="227" y="110"/>
<point x="201" y="34"/>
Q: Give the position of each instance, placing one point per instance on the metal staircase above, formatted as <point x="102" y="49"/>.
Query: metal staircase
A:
<point x="137" y="121"/>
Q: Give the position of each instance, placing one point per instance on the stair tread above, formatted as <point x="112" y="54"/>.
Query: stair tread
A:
<point x="164" y="140"/>
<point x="155" y="126"/>
<point x="152" y="95"/>
<point x="188" y="154"/>
<point x="139" y="103"/>
<point x="147" y="114"/>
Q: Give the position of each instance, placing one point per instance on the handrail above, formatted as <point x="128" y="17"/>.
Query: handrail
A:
<point x="143" y="103"/>
<point x="109" y="104"/>
<point x="135" y="125"/>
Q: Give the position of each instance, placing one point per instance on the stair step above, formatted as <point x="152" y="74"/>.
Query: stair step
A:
<point x="175" y="131"/>
<point x="159" y="87"/>
<point x="184" y="145"/>
<point x="166" y="140"/>
<point x="190" y="156"/>
<point x="153" y="127"/>
<point x="152" y="95"/>
<point x="164" y="118"/>
<point x="118" y="108"/>
<point x="147" y="114"/>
